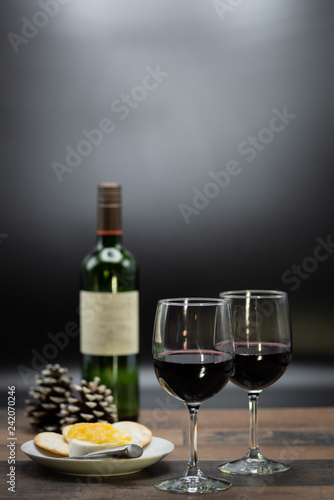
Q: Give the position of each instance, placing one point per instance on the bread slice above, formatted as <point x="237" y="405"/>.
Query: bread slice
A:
<point x="52" y="441"/>
<point x="65" y="432"/>
<point x="135" y="429"/>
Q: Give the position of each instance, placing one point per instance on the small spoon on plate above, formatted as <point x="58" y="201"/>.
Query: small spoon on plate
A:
<point x="125" y="451"/>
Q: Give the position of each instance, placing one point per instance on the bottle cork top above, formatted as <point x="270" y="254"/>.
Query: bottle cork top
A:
<point x="109" y="193"/>
<point x="109" y="208"/>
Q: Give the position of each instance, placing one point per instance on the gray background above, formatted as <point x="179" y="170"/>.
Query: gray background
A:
<point x="226" y="74"/>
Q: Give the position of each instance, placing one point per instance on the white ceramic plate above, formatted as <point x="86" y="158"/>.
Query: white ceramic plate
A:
<point x="157" y="449"/>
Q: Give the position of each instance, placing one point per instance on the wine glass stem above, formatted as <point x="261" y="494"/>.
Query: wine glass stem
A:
<point x="253" y="443"/>
<point x="193" y="460"/>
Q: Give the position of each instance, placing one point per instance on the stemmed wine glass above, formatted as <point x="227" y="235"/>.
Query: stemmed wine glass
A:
<point x="193" y="357"/>
<point x="263" y="343"/>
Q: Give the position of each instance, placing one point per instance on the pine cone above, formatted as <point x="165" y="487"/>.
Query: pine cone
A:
<point x="43" y="410"/>
<point x="92" y="403"/>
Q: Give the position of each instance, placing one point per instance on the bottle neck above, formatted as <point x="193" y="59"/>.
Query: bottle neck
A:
<point x="109" y="225"/>
<point x="108" y="240"/>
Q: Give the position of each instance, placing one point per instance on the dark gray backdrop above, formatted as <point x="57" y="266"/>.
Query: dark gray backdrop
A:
<point x="186" y="94"/>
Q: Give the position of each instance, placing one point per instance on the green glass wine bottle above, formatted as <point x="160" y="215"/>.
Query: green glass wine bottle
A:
<point x="109" y="308"/>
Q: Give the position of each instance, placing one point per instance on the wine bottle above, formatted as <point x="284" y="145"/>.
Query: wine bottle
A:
<point x="109" y="308"/>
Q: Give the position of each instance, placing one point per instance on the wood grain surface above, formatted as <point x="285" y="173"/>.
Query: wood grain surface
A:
<point x="303" y="437"/>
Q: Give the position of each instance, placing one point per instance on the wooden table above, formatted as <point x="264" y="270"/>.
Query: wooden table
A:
<point x="303" y="437"/>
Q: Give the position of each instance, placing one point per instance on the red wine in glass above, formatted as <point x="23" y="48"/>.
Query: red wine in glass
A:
<point x="193" y="376"/>
<point x="257" y="365"/>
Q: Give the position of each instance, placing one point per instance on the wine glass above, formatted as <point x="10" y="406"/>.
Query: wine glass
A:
<point x="263" y="343"/>
<point x="193" y="357"/>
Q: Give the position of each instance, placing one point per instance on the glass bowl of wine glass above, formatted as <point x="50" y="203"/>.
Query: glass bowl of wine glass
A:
<point x="263" y="348"/>
<point x="193" y="353"/>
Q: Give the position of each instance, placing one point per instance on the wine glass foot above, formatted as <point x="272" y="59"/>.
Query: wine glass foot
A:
<point x="197" y="483"/>
<point x="253" y="466"/>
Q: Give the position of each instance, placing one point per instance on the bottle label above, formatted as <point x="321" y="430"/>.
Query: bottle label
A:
<point x="109" y="323"/>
